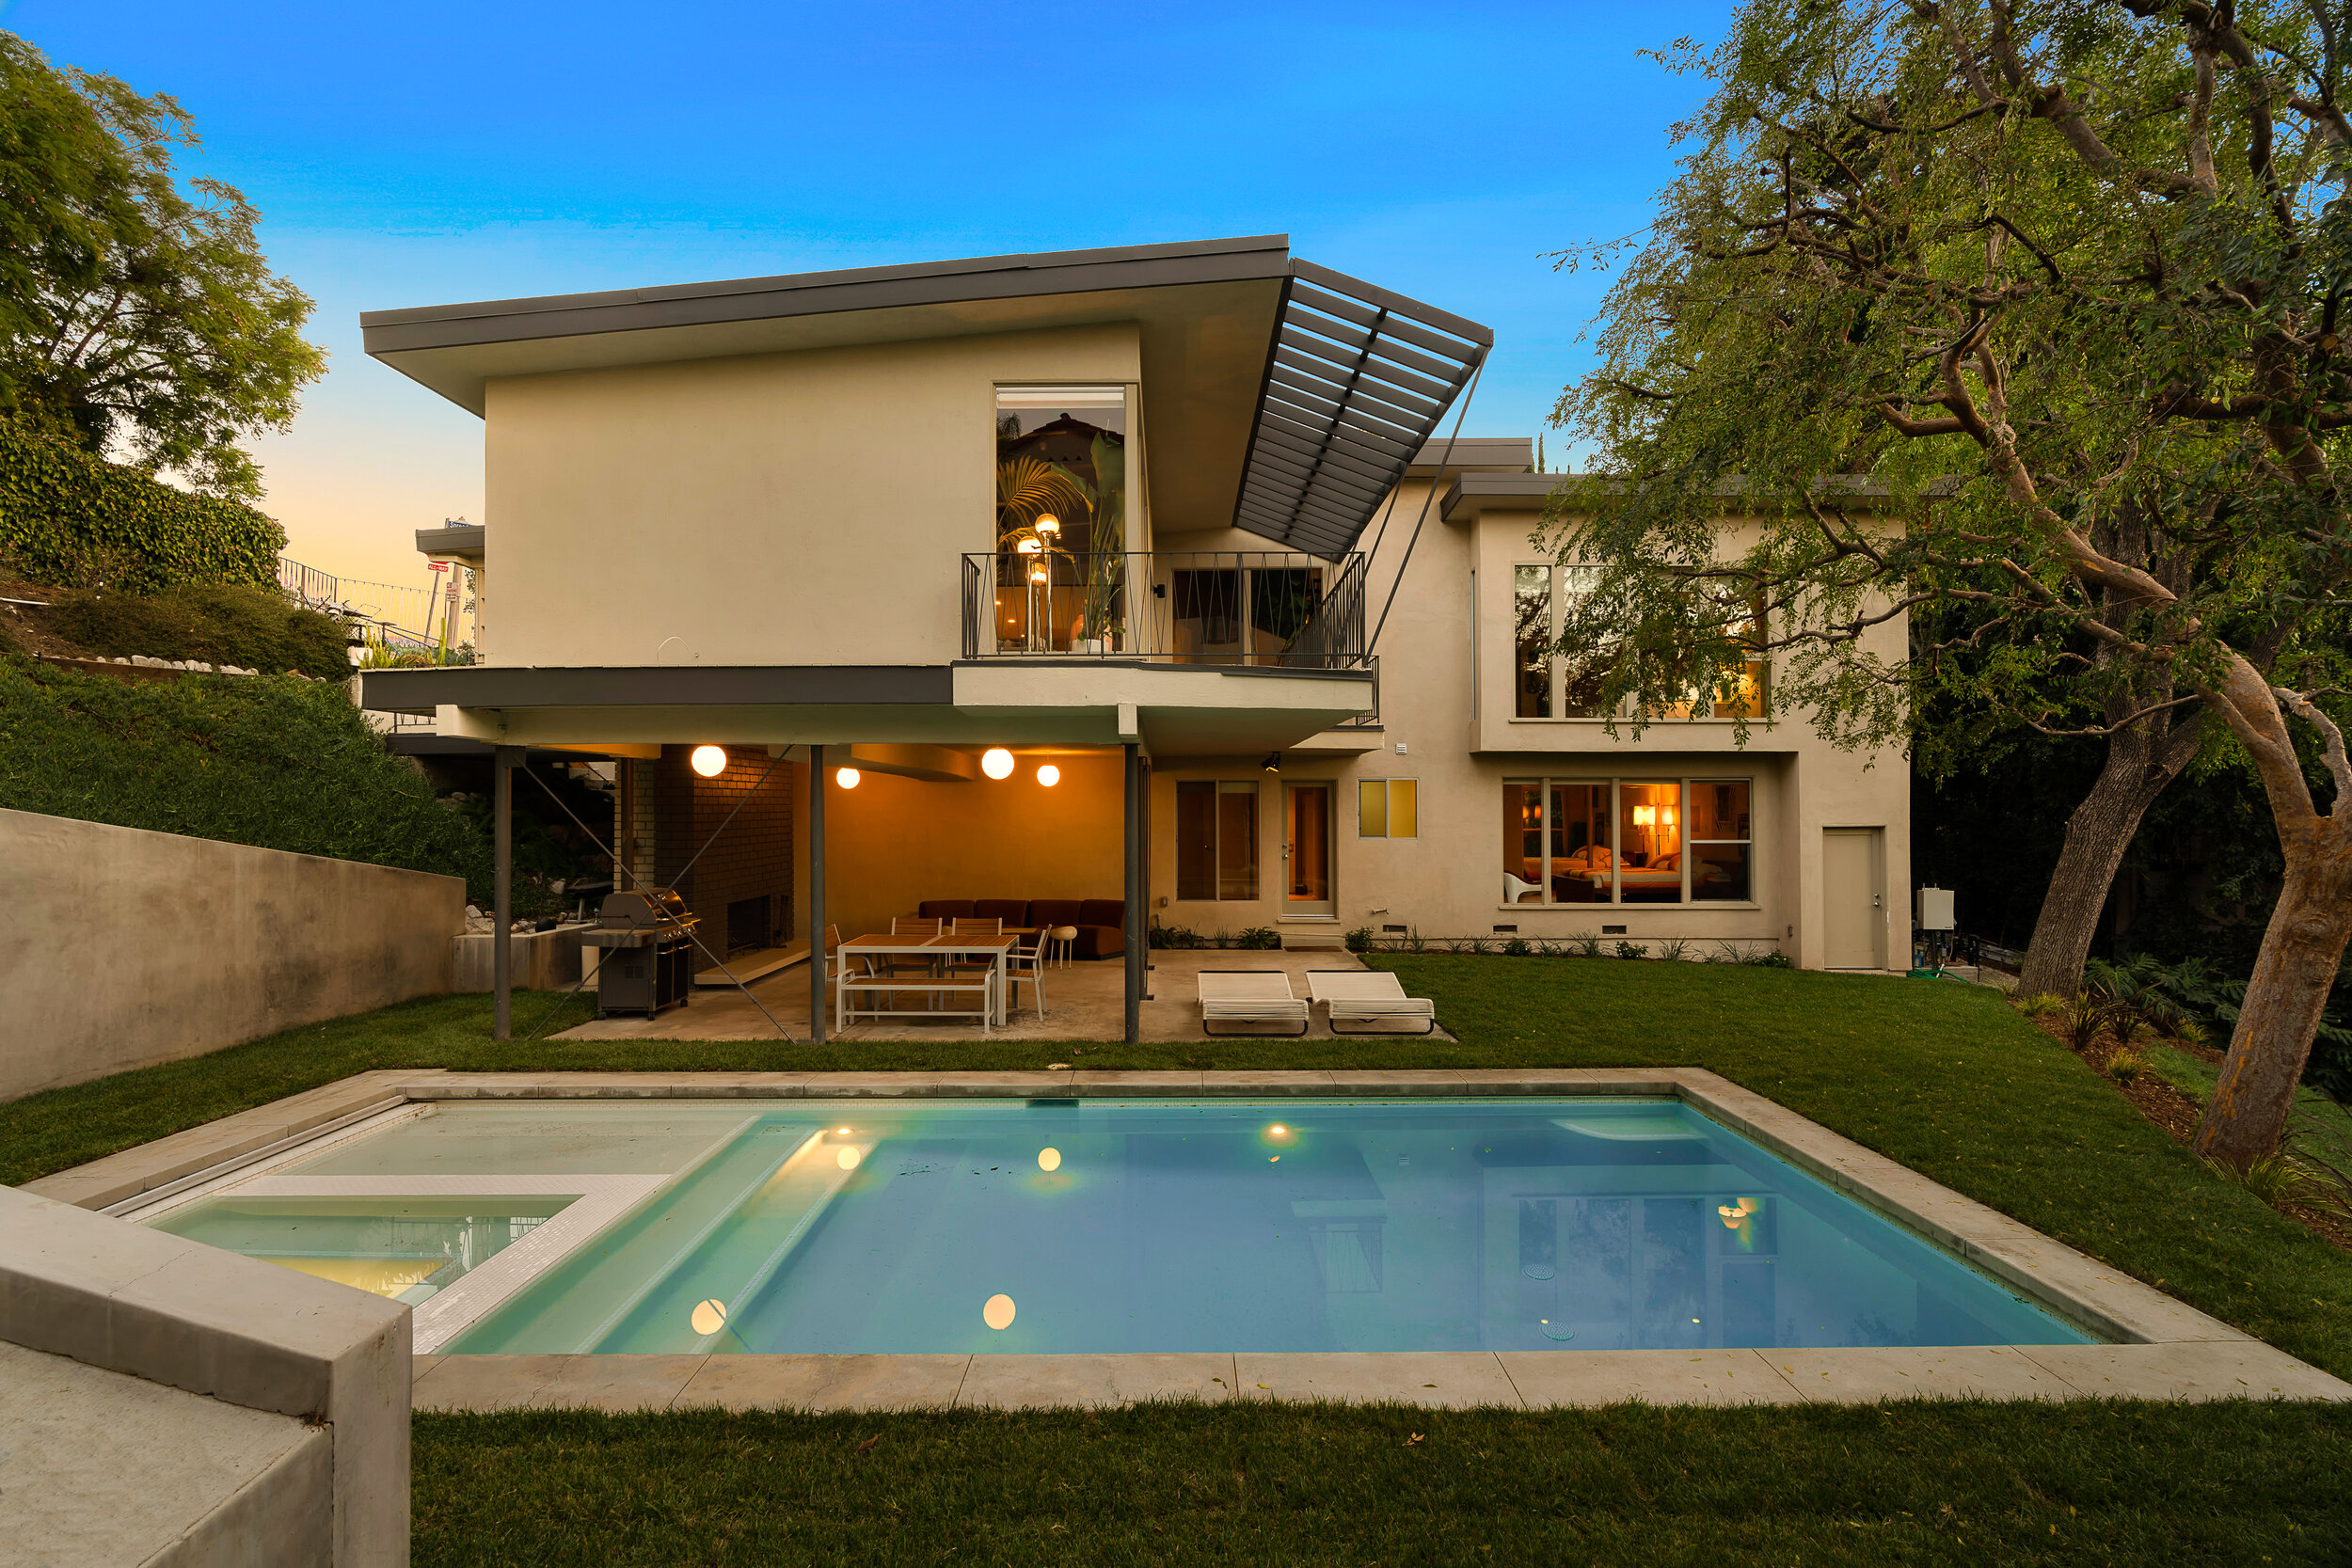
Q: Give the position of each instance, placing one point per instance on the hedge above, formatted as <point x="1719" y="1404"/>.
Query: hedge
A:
<point x="273" y="761"/>
<point x="72" y="518"/>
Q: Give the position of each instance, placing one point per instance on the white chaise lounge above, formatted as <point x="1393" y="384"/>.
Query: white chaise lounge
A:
<point x="1367" y="994"/>
<point x="1249" y="996"/>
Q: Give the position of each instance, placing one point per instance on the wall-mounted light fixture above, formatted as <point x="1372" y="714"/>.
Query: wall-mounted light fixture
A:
<point x="996" y="763"/>
<point x="1273" y="762"/>
<point x="709" y="761"/>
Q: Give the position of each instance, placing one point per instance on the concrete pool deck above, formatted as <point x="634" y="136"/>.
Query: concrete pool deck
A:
<point x="2155" y="1347"/>
<point x="1084" y="1000"/>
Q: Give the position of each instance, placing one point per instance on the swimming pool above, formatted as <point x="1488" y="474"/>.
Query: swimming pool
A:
<point x="1058" y="1226"/>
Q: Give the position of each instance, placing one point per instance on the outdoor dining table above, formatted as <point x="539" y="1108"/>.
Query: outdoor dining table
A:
<point x="876" y="945"/>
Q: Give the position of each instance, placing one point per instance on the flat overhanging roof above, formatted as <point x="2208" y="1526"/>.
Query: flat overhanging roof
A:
<point x="1177" y="709"/>
<point x="1283" y="396"/>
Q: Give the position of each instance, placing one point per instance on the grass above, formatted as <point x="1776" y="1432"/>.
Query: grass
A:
<point x="1962" y="1483"/>
<point x="1943" y="1077"/>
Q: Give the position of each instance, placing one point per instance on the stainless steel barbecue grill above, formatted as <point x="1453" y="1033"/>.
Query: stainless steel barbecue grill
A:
<point x="648" y="962"/>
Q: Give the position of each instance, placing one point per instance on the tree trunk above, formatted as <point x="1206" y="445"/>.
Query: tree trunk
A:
<point x="2293" y="976"/>
<point x="2308" y="931"/>
<point x="2141" y="762"/>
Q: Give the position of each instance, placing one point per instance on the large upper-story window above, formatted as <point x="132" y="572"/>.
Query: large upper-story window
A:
<point x="1626" y="841"/>
<point x="1549" y="685"/>
<point x="1061" y="517"/>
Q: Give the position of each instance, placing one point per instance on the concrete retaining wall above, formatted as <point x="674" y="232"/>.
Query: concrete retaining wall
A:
<point x="120" y="948"/>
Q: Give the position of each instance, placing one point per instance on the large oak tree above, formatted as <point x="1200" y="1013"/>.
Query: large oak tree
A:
<point x="136" y="318"/>
<point x="2027" y="318"/>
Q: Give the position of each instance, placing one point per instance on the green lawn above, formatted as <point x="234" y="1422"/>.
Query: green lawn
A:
<point x="1914" y="1483"/>
<point x="1942" y="1077"/>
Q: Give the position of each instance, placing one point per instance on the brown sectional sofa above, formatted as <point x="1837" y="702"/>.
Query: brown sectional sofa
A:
<point x="1102" y="923"/>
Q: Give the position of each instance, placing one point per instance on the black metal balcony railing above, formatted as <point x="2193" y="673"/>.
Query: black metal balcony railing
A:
<point x="1187" y="606"/>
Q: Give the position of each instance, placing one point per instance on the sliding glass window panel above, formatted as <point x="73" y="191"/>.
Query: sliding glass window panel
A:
<point x="1061" y="517"/>
<point x="1237" y="840"/>
<point x="1523" y="842"/>
<point x="1388" y="808"/>
<point x="1649" y="835"/>
<point x="1530" y="619"/>
<point x="1580" y="674"/>
<point x="1582" y="855"/>
<point x="1720" y="841"/>
<point x="1204" y="610"/>
<point x="1404" y="808"/>
<point x="1195" y="839"/>
<point x="1282" y="599"/>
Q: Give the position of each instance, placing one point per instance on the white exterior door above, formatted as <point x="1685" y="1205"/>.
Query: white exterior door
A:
<point x="1853" y="914"/>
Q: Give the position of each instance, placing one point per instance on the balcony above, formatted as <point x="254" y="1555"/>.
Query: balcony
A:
<point x="1267" y="609"/>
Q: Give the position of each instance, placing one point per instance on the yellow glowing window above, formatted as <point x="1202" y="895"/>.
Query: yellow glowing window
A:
<point x="1388" y="808"/>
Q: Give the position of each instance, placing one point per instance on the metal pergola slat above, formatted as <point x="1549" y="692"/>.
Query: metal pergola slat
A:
<point x="1356" y="379"/>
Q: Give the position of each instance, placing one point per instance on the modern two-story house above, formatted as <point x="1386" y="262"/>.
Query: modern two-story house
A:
<point x="1153" y="575"/>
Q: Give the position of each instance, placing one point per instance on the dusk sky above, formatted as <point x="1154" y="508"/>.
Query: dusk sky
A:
<point x="431" y="152"/>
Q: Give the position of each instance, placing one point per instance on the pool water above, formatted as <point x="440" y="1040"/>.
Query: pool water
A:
<point x="1094" y="1226"/>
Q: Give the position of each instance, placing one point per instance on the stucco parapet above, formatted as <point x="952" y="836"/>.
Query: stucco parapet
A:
<point x="154" y="1305"/>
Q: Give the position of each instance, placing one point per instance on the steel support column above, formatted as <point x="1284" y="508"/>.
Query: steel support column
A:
<point x="502" y="936"/>
<point x="1137" y="950"/>
<point x="817" y="895"/>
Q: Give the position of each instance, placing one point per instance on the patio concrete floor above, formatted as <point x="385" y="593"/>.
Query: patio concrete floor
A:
<point x="1086" y="1001"/>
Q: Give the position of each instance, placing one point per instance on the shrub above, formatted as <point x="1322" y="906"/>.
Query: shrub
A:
<point x="1259" y="938"/>
<point x="2124" y="1065"/>
<point x="1586" y="944"/>
<point x="257" y="627"/>
<point x="76" y="520"/>
<point x="1772" y="958"/>
<point x="1673" y="949"/>
<point x="2043" y="1006"/>
<point x="279" y="764"/>
<point x="1631" y="950"/>
<point x="1517" y="947"/>
<point x="2190" y="1032"/>
<point x="1359" y="940"/>
<point x="1174" y="936"/>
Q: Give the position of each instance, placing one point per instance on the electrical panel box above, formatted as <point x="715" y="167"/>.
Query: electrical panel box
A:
<point x="1934" y="911"/>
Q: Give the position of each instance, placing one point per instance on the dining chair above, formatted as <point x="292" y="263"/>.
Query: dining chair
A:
<point x="1025" y="966"/>
<point x="962" y="965"/>
<point x="896" y="964"/>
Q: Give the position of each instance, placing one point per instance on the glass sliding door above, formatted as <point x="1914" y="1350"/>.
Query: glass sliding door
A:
<point x="1217" y="839"/>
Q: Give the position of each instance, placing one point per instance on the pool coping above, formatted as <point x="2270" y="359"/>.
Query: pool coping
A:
<point x="2157" y="1347"/>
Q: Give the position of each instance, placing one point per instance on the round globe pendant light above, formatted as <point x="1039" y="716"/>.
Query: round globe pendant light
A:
<point x="1049" y="775"/>
<point x="996" y="763"/>
<point x="709" y="761"/>
<point x="846" y="777"/>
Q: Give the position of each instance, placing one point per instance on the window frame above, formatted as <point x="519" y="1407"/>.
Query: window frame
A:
<point x="1556" y="669"/>
<point x="1544" y="785"/>
<point x="1388" y="805"/>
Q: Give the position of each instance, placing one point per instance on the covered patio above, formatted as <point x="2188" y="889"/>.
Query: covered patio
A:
<point x="1083" y="1002"/>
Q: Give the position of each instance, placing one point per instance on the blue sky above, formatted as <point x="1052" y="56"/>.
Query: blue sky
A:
<point x="428" y="152"/>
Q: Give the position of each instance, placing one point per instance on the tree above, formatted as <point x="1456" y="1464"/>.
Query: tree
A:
<point x="141" y="320"/>
<point x="2029" y="310"/>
